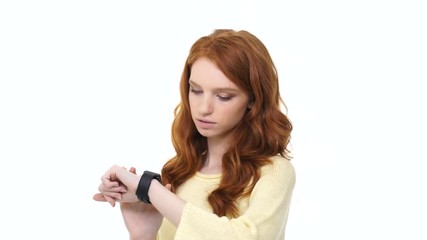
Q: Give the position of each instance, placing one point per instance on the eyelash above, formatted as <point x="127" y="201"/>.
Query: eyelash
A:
<point x="222" y="98"/>
<point x="195" y="91"/>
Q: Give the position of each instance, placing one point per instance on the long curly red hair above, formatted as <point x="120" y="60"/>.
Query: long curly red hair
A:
<point x="263" y="132"/>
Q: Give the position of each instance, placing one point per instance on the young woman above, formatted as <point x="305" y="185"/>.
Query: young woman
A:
<point x="231" y="177"/>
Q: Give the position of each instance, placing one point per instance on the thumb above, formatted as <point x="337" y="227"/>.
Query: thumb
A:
<point x="168" y="187"/>
<point x="99" y="197"/>
<point x="132" y="170"/>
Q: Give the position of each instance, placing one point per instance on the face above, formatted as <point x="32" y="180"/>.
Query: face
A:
<point x="217" y="104"/>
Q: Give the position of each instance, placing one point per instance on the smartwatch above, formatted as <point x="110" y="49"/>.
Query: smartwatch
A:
<point x="144" y="185"/>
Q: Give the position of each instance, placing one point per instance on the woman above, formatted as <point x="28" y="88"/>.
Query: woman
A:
<point x="231" y="177"/>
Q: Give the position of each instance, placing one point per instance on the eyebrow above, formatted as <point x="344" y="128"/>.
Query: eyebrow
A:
<point x="215" y="89"/>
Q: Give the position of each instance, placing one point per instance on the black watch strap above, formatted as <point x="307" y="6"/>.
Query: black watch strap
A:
<point x="144" y="185"/>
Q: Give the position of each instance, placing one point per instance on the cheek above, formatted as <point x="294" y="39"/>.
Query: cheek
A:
<point x="191" y="103"/>
<point x="233" y="115"/>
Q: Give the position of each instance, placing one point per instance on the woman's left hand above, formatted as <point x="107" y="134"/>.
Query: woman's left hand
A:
<point x="118" y="185"/>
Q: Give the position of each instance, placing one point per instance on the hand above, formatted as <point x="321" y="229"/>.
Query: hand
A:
<point x="118" y="185"/>
<point x="142" y="220"/>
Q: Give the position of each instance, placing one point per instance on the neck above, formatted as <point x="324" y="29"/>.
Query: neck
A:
<point x="213" y="162"/>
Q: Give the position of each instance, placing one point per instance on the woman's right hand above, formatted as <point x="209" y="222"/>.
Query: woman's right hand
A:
<point x="142" y="220"/>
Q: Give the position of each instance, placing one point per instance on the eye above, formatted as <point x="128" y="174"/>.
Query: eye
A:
<point x="195" y="91"/>
<point x="224" y="98"/>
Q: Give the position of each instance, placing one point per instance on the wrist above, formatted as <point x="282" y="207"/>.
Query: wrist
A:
<point x="144" y="185"/>
<point x="154" y="185"/>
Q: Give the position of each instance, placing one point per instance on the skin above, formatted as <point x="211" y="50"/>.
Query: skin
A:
<point x="119" y="185"/>
<point x="217" y="106"/>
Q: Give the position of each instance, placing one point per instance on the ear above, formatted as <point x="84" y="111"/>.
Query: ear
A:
<point x="250" y="105"/>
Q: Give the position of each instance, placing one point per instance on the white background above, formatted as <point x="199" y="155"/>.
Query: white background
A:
<point x="87" y="84"/>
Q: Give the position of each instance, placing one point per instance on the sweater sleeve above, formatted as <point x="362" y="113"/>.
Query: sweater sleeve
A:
<point x="265" y="217"/>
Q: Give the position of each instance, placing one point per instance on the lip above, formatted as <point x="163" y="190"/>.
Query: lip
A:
<point x="204" y="123"/>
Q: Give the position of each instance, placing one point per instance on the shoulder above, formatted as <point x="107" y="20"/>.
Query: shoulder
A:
<point x="277" y="181"/>
<point x="280" y="168"/>
<point x="278" y="164"/>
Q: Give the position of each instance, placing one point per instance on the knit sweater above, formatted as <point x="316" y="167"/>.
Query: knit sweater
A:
<point x="262" y="215"/>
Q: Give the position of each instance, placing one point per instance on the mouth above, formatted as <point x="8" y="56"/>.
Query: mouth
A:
<point x="205" y="124"/>
<point x="205" y="121"/>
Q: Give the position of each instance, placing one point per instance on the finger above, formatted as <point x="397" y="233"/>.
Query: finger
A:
<point x="168" y="187"/>
<point x="110" y="200"/>
<point x="132" y="170"/>
<point x="112" y="192"/>
<point x="118" y="175"/>
<point x="115" y="195"/>
<point x="99" y="197"/>
<point x="107" y="181"/>
<point x="110" y="176"/>
<point x="119" y="189"/>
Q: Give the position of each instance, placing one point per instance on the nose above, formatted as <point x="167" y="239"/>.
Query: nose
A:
<point x="206" y="105"/>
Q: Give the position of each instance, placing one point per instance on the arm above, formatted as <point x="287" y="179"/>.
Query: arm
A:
<point x="265" y="217"/>
<point x="166" y="202"/>
<point x="141" y="220"/>
<point x="118" y="184"/>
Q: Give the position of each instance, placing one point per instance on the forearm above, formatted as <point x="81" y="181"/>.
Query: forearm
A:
<point x="166" y="202"/>
<point x="143" y="238"/>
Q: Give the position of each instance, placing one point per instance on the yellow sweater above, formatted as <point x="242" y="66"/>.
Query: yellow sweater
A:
<point x="263" y="214"/>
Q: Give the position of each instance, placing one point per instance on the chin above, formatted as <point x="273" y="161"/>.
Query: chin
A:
<point x="211" y="134"/>
<point x="207" y="133"/>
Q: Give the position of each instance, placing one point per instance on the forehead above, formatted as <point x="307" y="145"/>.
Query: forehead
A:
<point x="205" y="73"/>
